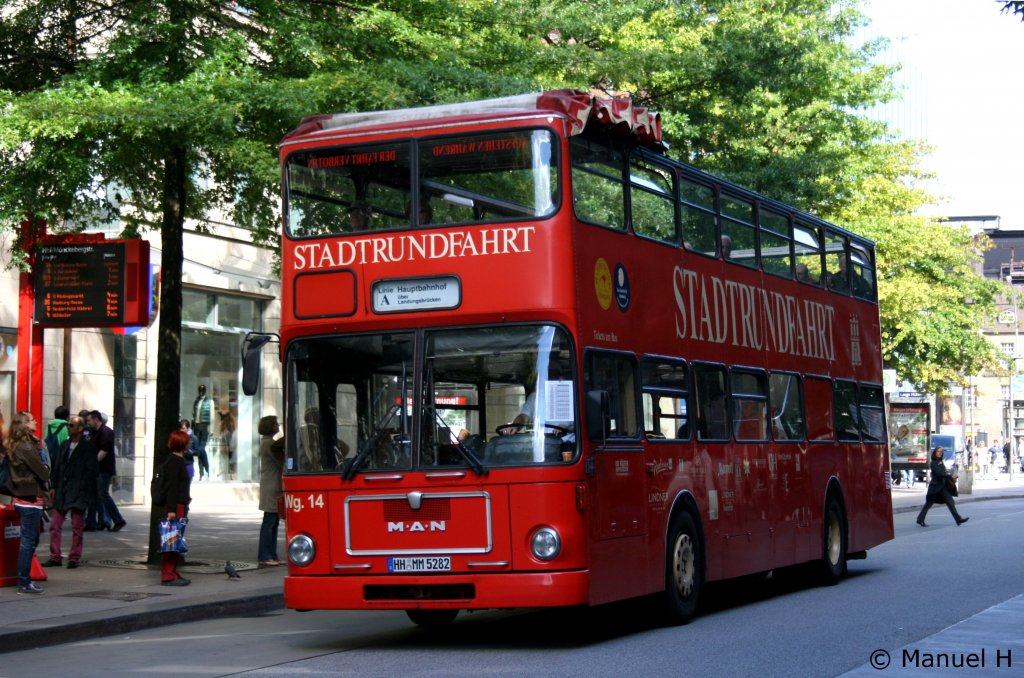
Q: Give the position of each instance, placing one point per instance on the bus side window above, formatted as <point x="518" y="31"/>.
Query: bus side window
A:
<point x="872" y="413"/>
<point x="787" y="407"/>
<point x="597" y="190"/>
<point x="652" y="201"/>
<point x="775" y="240"/>
<point x="664" y="384"/>
<point x="697" y="203"/>
<point x="862" y="272"/>
<point x="844" y="398"/>
<point x="616" y="374"/>
<point x="807" y="248"/>
<point x="712" y="409"/>
<point x="737" y="222"/>
<point x="749" y="391"/>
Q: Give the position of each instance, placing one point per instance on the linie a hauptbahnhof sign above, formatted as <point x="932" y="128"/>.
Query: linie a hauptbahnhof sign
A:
<point x="104" y="283"/>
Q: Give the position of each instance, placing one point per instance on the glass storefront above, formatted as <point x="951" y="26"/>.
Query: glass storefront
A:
<point x="8" y="375"/>
<point x="212" y="328"/>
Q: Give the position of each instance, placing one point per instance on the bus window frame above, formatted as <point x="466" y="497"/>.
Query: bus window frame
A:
<point x="787" y="237"/>
<point x="802" y="226"/>
<point x="659" y="391"/>
<point x="653" y="162"/>
<point x="738" y="225"/>
<point x="590" y="354"/>
<point x="623" y="180"/>
<point x="839" y="386"/>
<point x="738" y="399"/>
<point x="699" y="183"/>
<point x="880" y="407"/>
<point x="801" y="406"/>
<point x="696" y="369"/>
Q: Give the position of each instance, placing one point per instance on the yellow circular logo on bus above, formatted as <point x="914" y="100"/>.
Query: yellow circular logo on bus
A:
<point x="603" y="283"/>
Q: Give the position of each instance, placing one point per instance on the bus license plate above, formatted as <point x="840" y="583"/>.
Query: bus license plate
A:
<point x="422" y="564"/>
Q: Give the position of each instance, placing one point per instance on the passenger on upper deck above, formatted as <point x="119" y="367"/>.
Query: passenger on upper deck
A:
<point x="426" y="212"/>
<point x="846" y="278"/>
<point x="803" y="274"/>
<point x="726" y="247"/>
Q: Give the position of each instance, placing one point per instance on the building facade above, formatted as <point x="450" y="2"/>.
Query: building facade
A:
<point x="229" y="289"/>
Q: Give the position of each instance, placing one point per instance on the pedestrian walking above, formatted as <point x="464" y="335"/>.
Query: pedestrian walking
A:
<point x="107" y="517"/>
<point x="28" y="485"/>
<point x="938" y="490"/>
<point x="271" y="468"/>
<point x="73" y="489"/>
<point x="177" y="502"/>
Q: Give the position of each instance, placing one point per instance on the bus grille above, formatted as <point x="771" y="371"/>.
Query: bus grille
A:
<point x="420" y="592"/>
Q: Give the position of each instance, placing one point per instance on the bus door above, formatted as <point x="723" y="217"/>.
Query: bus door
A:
<point x="618" y="484"/>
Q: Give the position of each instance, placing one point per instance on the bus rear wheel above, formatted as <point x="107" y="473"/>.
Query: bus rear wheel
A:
<point x="684" y="571"/>
<point x="833" y="564"/>
<point x="432" y="618"/>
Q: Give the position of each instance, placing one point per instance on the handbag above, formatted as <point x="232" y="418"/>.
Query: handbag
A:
<point x="951" y="486"/>
<point x="172" y="536"/>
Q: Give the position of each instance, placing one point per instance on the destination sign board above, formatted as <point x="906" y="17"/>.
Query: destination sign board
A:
<point x="92" y="284"/>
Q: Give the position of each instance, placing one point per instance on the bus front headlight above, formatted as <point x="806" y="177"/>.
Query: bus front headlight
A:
<point x="301" y="550"/>
<point x="545" y="544"/>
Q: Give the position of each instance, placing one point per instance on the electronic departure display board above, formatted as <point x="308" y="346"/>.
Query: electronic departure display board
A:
<point x="92" y="284"/>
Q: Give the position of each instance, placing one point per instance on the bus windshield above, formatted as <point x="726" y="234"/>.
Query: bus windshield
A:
<point x="457" y="179"/>
<point x="428" y="399"/>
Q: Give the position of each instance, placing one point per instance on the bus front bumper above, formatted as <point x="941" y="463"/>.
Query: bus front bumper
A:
<point x="463" y="592"/>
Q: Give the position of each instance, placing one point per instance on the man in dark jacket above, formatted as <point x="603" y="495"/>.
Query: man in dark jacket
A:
<point x="73" y="488"/>
<point x="103" y="514"/>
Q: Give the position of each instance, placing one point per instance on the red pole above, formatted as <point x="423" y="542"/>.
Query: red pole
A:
<point x="30" y="337"/>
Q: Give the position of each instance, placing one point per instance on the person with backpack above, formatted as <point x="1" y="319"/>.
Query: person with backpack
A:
<point x="56" y="432"/>
<point x="73" y="487"/>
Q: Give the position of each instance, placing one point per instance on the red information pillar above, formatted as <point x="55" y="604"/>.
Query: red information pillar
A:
<point x="30" y="337"/>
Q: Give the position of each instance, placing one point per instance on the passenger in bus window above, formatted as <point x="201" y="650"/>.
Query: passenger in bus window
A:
<point x="803" y="274"/>
<point x="359" y="216"/>
<point x="426" y="212"/>
<point x="726" y="247"/>
<point x="845" y="278"/>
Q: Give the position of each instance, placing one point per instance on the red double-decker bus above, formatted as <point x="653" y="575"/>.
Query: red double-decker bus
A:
<point x="530" y="361"/>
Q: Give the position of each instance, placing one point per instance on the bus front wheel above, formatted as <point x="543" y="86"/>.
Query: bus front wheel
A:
<point x="432" y="618"/>
<point x="684" y="571"/>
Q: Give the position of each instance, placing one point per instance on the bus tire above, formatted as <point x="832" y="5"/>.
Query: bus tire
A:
<point x="432" y="618"/>
<point x="833" y="561"/>
<point x="684" y="569"/>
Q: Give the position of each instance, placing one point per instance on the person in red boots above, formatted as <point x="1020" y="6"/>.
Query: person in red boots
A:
<point x="178" y="485"/>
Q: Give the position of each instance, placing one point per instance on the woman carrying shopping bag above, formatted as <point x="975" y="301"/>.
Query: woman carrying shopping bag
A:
<point x="177" y="483"/>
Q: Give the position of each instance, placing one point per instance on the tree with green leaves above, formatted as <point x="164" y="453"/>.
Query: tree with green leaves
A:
<point x="154" y="113"/>
<point x="773" y="96"/>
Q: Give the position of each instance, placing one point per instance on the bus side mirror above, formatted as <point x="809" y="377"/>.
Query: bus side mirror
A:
<point x="598" y="412"/>
<point x="252" y="350"/>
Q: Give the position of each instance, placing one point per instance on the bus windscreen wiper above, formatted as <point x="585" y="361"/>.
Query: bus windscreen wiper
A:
<point x="368" y="447"/>
<point x="466" y="453"/>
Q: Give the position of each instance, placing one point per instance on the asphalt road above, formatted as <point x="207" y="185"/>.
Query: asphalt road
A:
<point x="924" y="581"/>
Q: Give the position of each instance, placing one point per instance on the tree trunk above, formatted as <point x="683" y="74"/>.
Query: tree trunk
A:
<point x="168" y="362"/>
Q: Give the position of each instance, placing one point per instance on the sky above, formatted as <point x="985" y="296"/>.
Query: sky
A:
<point x="963" y="94"/>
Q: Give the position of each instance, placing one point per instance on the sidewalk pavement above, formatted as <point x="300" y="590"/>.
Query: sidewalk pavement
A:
<point x="115" y="592"/>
